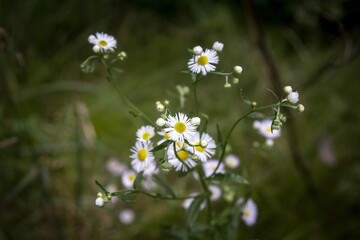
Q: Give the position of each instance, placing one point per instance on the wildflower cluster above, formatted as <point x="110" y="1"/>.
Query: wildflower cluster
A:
<point x="178" y="141"/>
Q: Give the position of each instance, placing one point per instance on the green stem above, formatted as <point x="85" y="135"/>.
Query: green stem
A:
<point x="131" y="105"/>
<point x="156" y="196"/>
<point x="233" y="127"/>
<point x="207" y="194"/>
<point x="196" y="100"/>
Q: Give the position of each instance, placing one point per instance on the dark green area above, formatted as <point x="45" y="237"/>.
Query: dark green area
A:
<point x="50" y="157"/>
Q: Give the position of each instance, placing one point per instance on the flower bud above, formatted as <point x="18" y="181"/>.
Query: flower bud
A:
<point x="293" y="97"/>
<point x="194" y="157"/>
<point x="197" y="50"/>
<point x="300" y="108"/>
<point x="196" y="121"/>
<point x="100" y="194"/>
<point x="218" y="46"/>
<point x="166" y="102"/>
<point x="227" y="85"/>
<point x="91" y="38"/>
<point x="253" y="104"/>
<point x="235" y="80"/>
<point x="165" y="167"/>
<point x="96" y="49"/>
<point x="203" y="143"/>
<point x="160" y="107"/>
<point x="99" y="202"/>
<point x="186" y="90"/>
<point x="160" y="122"/>
<point x="288" y="89"/>
<point x="238" y="69"/>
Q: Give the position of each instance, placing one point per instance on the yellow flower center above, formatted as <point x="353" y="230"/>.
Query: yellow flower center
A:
<point x="199" y="148"/>
<point x="142" y="154"/>
<point x="146" y="136"/>
<point x="246" y="213"/>
<point x="166" y="136"/>
<point x="131" y="177"/>
<point x="268" y="130"/>
<point x="202" y="60"/>
<point x="180" y="127"/>
<point x="183" y="155"/>
<point x="103" y="43"/>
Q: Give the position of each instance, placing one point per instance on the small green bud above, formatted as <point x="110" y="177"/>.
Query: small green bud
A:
<point x="300" y="108"/>
<point x="253" y="104"/>
<point x="166" y="102"/>
<point x="165" y="167"/>
<point x="194" y="157"/>
<point x="235" y="80"/>
<point x="163" y="116"/>
<point x="227" y="85"/>
<point x="275" y="127"/>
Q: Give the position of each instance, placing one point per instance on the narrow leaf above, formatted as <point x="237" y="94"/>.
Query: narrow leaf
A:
<point x="138" y="179"/>
<point x="193" y="211"/>
<point x="117" y="69"/>
<point x="276" y="96"/>
<point x="101" y="186"/>
<point x="245" y="100"/>
<point x="161" y="146"/>
<point x="219" y="136"/>
<point x="257" y="115"/>
<point x="164" y="185"/>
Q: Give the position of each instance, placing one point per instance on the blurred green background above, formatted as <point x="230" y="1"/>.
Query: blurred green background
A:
<point x="59" y="126"/>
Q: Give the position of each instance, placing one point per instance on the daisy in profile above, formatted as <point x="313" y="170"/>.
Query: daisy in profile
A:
<point x="232" y="161"/>
<point x="165" y="136"/>
<point x="205" y="146"/>
<point x="180" y="128"/>
<point x="187" y="203"/>
<point x="203" y="63"/>
<point x="103" y="41"/>
<point x="145" y="133"/>
<point x="142" y="157"/>
<point x="265" y="129"/>
<point x="126" y="216"/>
<point x="215" y="192"/>
<point x="183" y="162"/>
<point x="210" y="166"/>
<point x="249" y="211"/>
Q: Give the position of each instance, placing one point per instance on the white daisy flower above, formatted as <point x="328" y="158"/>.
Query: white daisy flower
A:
<point x="115" y="167"/>
<point x="185" y="160"/>
<point x="204" y="62"/>
<point x="126" y="216"/>
<point x="142" y="157"/>
<point x="215" y="192"/>
<point x="204" y="153"/>
<point x="250" y="211"/>
<point x="218" y="46"/>
<point x="180" y="128"/>
<point x="104" y="41"/>
<point x="232" y="161"/>
<point x="128" y="178"/>
<point x="145" y="133"/>
<point x="293" y="97"/>
<point x="265" y="130"/>
<point x="187" y="203"/>
<point x="210" y="166"/>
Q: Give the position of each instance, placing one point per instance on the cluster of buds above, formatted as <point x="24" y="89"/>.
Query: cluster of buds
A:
<point x="293" y="97"/>
<point x="102" y="199"/>
<point x="122" y="55"/>
<point x="160" y="106"/>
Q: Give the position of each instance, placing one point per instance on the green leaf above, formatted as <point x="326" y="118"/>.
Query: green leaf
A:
<point x="193" y="211"/>
<point x="161" y="146"/>
<point x="138" y="179"/>
<point x="101" y="186"/>
<point x="230" y="178"/>
<point x="121" y="193"/>
<point x="164" y="185"/>
<point x="245" y="100"/>
<point x="219" y="136"/>
<point x="93" y="65"/>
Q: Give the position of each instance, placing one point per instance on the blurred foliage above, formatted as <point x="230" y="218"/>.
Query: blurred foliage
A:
<point x="59" y="126"/>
